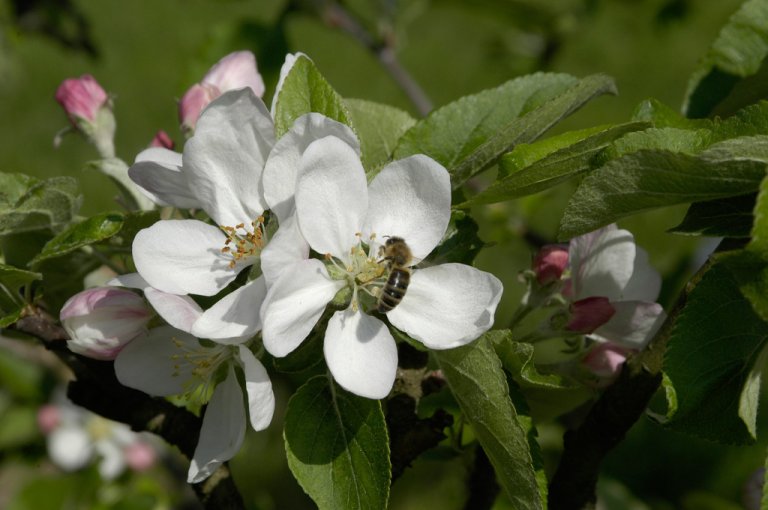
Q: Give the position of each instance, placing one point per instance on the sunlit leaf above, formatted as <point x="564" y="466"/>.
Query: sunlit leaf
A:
<point x="337" y="447"/>
<point x="471" y="133"/>
<point x="306" y="90"/>
<point x="379" y="127"/>
<point x="89" y="231"/>
<point x="479" y="384"/>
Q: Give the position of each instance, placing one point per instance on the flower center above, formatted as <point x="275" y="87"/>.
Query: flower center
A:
<point x="362" y="270"/>
<point x="243" y="243"/>
<point x="202" y="363"/>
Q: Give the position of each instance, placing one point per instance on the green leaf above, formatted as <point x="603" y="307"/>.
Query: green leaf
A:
<point x="379" y="127"/>
<point x="337" y="447"/>
<point x="479" y="384"/>
<point x="460" y="243"/>
<point x="541" y="165"/>
<point x="713" y="348"/>
<point x="526" y="421"/>
<point x="646" y="180"/>
<point x="517" y="359"/>
<point x="667" y="138"/>
<point x="726" y="217"/>
<point x="27" y="203"/>
<point x="306" y="90"/>
<point x="662" y="116"/>
<point x="89" y="231"/>
<point x="738" y="52"/>
<point x="469" y="134"/>
<point x="18" y="427"/>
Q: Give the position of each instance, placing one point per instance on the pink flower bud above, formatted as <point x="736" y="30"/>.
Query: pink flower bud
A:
<point x="81" y="98"/>
<point x="588" y="314"/>
<point x="48" y="418"/>
<point x="140" y="456"/>
<point x="605" y="360"/>
<point x="235" y="71"/>
<point x="550" y="262"/>
<point x="162" y="139"/>
<point x="100" y="321"/>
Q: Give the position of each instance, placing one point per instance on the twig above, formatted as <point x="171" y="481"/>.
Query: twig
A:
<point x="336" y="16"/>
<point x="573" y="485"/>
<point x="97" y="389"/>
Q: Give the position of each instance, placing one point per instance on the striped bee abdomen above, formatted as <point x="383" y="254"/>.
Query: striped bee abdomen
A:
<point x="394" y="290"/>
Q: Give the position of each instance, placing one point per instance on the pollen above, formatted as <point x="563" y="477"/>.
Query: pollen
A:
<point x="243" y="243"/>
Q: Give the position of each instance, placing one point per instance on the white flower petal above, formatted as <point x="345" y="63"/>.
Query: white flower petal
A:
<point x="261" y="398"/>
<point x="411" y="199"/>
<point x="112" y="459"/>
<point x="645" y="283"/>
<point x="282" y="167"/>
<point x="294" y="304"/>
<point x="235" y="71"/>
<point x="286" y="247"/>
<point x="602" y="263"/>
<point x="158" y="174"/>
<point x="223" y="162"/>
<point x="234" y="316"/>
<point x="222" y="432"/>
<point x="130" y="280"/>
<point x="70" y="448"/>
<point x="331" y="196"/>
<point x="183" y="257"/>
<point x="361" y="353"/>
<point x="178" y="311"/>
<point x="149" y="363"/>
<point x="448" y="305"/>
<point x="633" y="325"/>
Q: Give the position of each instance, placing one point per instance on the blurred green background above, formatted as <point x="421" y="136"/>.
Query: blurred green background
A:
<point x="146" y="53"/>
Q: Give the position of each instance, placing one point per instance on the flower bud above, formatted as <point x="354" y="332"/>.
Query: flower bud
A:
<point x="140" y="456"/>
<point x="162" y="139"/>
<point x="588" y="314"/>
<point x="88" y="108"/>
<point x="550" y="263"/>
<point x="235" y="71"/>
<point x="81" y="98"/>
<point x="102" y="320"/>
<point x="605" y="360"/>
<point x="48" y="418"/>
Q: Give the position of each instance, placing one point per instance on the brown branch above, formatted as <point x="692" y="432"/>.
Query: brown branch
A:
<point x="96" y="388"/>
<point x="336" y="16"/>
<point x="573" y="485"/>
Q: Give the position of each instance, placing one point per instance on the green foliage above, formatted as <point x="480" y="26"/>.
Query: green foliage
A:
<point x="89" y="231"/>
<point x="12" y="279"/>
<point x="469" y="135"/>
<point x="460" y="243"/>
<point x="305" y="90"/>
<point x="720" y="85"/>
<point x="338" y="447"/>
<point x="478" y="382"/>
<point x="648" y="179"/>
<point x="531" y="168"/>
<point x="727" y="217"/>
<point x="27" y="203"/>
<point x="714" y="346"/>
<point x="379" y="127"/>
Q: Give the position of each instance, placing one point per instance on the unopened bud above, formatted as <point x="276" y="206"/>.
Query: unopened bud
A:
<point x="235" y="71"/>
<point x="81" y="98"/>
<point x="102" y="320"/>
<point x="48" y="418"/>
<point x="588" y="314"/>
<point x="162" y="139"/>
<point x="550" y="263"/>
<point x="140" y="456"/>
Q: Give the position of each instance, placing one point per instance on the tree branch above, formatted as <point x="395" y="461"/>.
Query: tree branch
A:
<point x="96" y="388"/>
<point x="336" y="16"/>
<point x="574" y="484"/>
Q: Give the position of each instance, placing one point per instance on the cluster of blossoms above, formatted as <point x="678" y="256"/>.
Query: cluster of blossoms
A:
<point x="602" y="286"/>
<point x="77" y="437"/>
<point x="298" y="239"/>
<point x="328" y="248"/>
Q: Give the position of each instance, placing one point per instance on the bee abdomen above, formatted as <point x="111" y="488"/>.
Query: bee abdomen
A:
<point x="394" y="289"/>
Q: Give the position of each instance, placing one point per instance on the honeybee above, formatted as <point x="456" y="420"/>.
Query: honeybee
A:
<point x="398" y="256"/>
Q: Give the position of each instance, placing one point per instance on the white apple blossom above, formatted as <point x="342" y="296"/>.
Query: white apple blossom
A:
<point x="171" y="361"/>
<point x="346" y="220"/>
